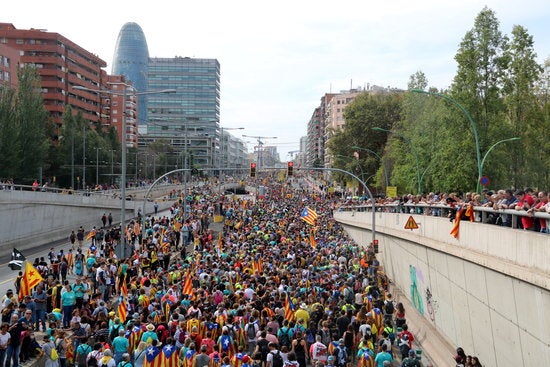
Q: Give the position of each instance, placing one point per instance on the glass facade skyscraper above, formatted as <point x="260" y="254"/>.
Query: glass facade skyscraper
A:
<point x="131" y="59"/>
<point x="189" y="118"/>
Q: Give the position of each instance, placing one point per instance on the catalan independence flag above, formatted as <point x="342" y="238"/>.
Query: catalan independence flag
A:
<point x="169" y="355"/>
<point x="31" y="278"/>
<point x="289" y="308"/>
<point x="124" y="287"/>
<point x="152" y="357"/>
<point x="309" y="215"/>
<point x="312" y="241"/>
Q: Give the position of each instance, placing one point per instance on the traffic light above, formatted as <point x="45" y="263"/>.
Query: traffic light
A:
<point x="290" y="169"/>
<point x="252" y="169"/>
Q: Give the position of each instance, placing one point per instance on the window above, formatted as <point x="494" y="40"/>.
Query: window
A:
<point x="19" y="41"/>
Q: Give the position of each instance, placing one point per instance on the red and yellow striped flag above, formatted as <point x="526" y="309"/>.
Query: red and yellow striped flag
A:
<point x="188" y="284"/>
<point x="122" y="310"/>
<point x="312" y="241"/>
<point x="90" y="235"/>
<point x="289" y="309"/>
<point x="124" y="287"/>
<point x="456" y="225"/>
<point x="31" y="278"/>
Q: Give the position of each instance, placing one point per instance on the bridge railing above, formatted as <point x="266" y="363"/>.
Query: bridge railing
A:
<point x="508" y="217"/>
<point x="108" y="193"/>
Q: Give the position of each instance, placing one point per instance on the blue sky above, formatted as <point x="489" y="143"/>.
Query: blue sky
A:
<point x="278" y="58"/>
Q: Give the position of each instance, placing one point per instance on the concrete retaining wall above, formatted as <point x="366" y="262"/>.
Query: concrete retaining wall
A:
<point x="28" y="218"/>
<point x="489" y="289"/>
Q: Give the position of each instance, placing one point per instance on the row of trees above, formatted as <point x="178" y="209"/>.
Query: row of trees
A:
<point x="424" y="142"/>
<point x="72" y="154"/>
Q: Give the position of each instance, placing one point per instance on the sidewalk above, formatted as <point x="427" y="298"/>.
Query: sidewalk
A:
<point x="436" y="350"/>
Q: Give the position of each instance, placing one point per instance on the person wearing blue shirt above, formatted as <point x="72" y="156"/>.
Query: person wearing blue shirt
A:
<point x="68" y="301"/>
<point x="120" y="346"/>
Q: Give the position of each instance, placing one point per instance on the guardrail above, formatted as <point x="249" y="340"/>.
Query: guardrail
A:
<point x="109" y="193"/>
<point x="482" y="214"/>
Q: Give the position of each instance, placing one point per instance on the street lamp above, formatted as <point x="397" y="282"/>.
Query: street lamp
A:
<point x="494" y="145"/>
<point x="123" y="147"/>
<point x="474" y="129"/>
<point x="413" y="151"/>
<point x="97" y="149"/>
<point x="379" y="158"/>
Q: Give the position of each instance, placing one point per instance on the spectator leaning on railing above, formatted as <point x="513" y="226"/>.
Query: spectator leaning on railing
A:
<point x="525" y="202"/>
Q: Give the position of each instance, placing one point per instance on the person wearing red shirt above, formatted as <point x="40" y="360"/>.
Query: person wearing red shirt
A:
<point x="525" y="202"/>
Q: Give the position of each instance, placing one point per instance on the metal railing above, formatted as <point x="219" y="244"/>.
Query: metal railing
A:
<point x="486" y="215"/>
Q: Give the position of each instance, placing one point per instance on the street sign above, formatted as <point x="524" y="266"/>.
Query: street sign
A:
<point x="484" y="181"/>
<point x="411" y="223"/>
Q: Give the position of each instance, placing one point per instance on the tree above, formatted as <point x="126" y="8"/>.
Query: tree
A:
<point x="477" y="87"/>
<point x="523" y="111"/>
<point x="10" y="150"/>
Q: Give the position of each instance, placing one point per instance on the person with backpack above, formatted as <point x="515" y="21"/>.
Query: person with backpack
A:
<point x="389" y="309"/>
<point x="82" y="352"/>
<point x="49" y="359"/>
<point x="120" y="346"/>
<point x="340" y="354"/>
<point x="251" y="330"/>
<point x="262" y="346"/>
<point x="274" y="357"/>
<point x="284" y="335"/>
<point x="299" y="347"/>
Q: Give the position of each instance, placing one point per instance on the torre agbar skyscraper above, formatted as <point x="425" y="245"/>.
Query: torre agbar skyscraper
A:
<point x="131" y="59"/>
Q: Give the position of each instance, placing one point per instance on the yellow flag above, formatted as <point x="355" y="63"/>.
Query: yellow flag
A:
<point x="31" y="278"/>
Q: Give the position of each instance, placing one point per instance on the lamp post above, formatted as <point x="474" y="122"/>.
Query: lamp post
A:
<point x="123" y="148"/>
<point x="494" y="145"/>
<point x="379" y="158"/>
<point x="472" y="124"/>
<point x="84" y="159"/>
<point x="413" y="151"/>
<point x="97" y="149"/>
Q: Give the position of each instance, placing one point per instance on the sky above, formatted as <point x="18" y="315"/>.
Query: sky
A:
<point x="279" y="58"/>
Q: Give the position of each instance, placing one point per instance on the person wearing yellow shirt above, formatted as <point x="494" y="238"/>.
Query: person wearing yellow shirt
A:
<point x="302" y="313"/>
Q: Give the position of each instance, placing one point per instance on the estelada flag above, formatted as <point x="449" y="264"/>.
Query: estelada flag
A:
<point x="152" y="357"/>
<point x="31" y="278"/>
<point x="289" y="308"/>
<point x="124" y="287"/>
<point x="308" y="215"/>
<point x="170" y="356"/>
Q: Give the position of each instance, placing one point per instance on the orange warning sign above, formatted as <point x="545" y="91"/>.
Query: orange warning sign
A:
<point x="411" y="224"/>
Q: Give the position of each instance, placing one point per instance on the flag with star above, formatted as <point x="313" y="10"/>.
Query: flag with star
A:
<point x="189" y="358"/>
<point x="289" y="308"/>
<point x="31" y="278"/>
<point x="152" y="357"/>
<point x="17" y="259"/>
<point x="135" y="337"/>
<point x="309" y="216"/>
<point x="169" y="356"/>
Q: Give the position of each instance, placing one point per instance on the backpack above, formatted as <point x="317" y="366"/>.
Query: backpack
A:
<point x="173" y="328"/>
<point x="53" y="354"/>
<point x="263" y="345"/>
<point x="341" y="356"/>
<point x="114" y="332"/>
<point x="388" y="307"/>
<point x="92" y="361"/>
<point x="82" y="351"/>
<point x="284" y="338"/>
<point x="349" y="296"/>
<point x="277" y="359"/>
<point x="251" y="331"/>
<point x="310" y="338"/>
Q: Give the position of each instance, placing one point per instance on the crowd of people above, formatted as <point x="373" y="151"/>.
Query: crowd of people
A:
<point x="526" y="203"/>
<point x="281" y="284"/>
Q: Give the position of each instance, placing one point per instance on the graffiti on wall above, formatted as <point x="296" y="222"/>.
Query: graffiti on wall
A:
<point x="431" y="304"/>
<point x="416" y="299"/>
